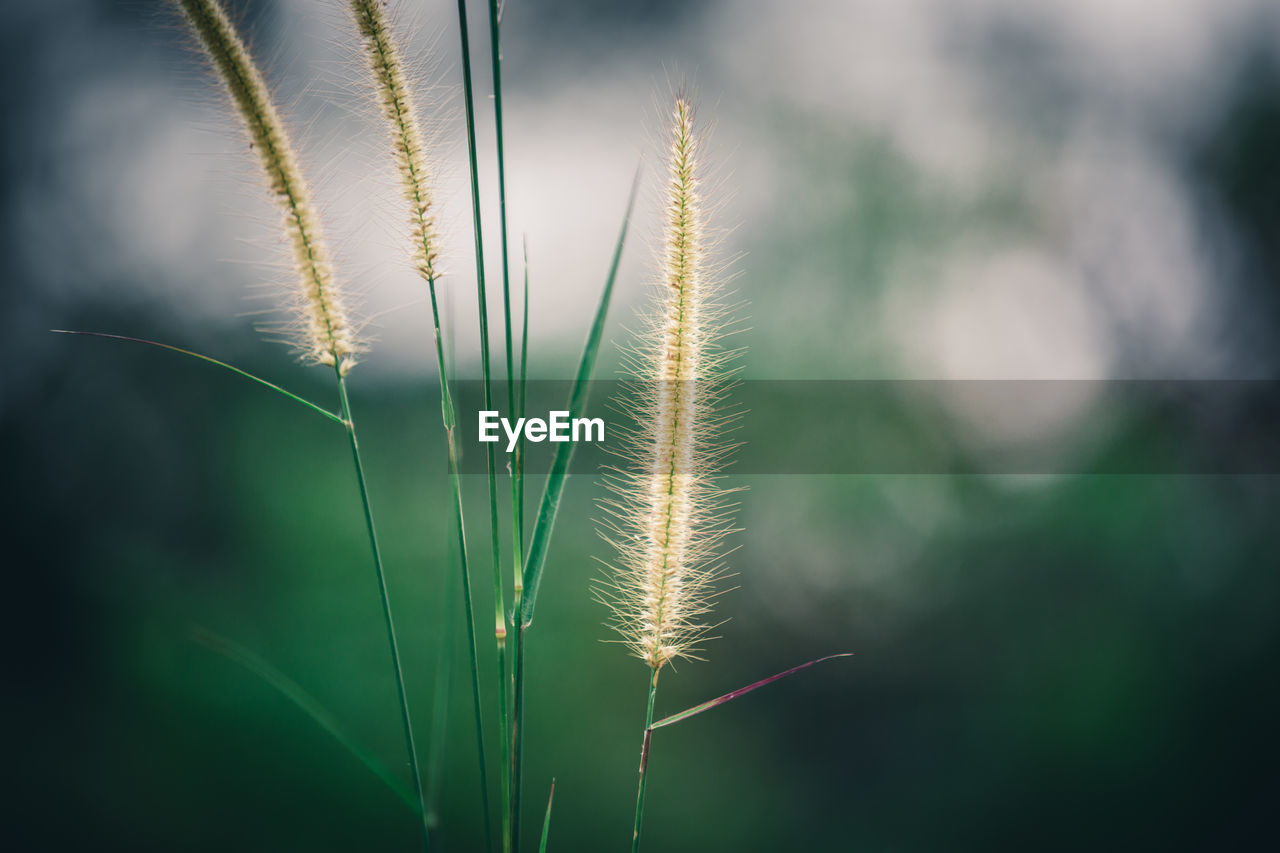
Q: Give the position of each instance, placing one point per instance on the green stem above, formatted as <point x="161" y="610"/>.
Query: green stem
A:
<point x="386" y="604"/>
<point x="517" y="731"/>
<point x="495" y="51"/>
<point x="475" y="692"/>
<point x="450" y="423"/>
<point x="517" y="525"/>
<point x="505" y="766"/>
<point x="511" y="794"/>
<point x="440" y="707"/>
<point x="500" y="629"/>
<point x="644" y="762"/>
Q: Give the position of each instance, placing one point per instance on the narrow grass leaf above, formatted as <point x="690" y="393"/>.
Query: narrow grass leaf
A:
<point x="554" y="488"/>
<point x="546" y="821"/>
<point x="500" y="626"/>
<point x="729" y="697"/>
<point x="521" y="390"/>
<point x="495" y="55"/>
<point x="517" y="523"/>
<point x="310" y="405"/>
<point x="304" y="701"/>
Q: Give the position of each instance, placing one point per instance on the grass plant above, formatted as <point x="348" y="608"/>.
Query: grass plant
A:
<point x="666" y="519"/>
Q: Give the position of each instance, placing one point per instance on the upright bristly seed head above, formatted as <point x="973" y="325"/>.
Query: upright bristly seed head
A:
<point x="666" y="521"/>
<point x="323" y="333"/>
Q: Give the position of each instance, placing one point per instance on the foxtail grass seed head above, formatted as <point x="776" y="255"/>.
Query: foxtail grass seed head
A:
<point x="392" y="89"/>
<point x="324" y="334"/>
<point x="666" y="519"/>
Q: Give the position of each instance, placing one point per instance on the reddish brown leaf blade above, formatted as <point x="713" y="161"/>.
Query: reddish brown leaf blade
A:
<point x="546" y="821"/>
<point x="729" y="697"/>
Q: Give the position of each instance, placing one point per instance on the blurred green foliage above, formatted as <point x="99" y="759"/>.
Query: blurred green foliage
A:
<point x="1060" y="665"/>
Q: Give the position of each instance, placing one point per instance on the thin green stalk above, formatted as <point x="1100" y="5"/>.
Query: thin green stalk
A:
<point x="644" y="760"/>
<point x="486" y="375"/>
<point x="517" y="543"/>
<point x="511" y="797"/>
<point x="505" y="717"/>
<point x="500" y="628"/>
<point x="517" y="731"/>
<point x="475" y="691"/>
<point x="520" y="404"/>
<point x="440" y="706"/>
<point x="450" y="423"/>
<point x="517" y="524"/>
<point x="386" y="602"/>
<point x="495" y="51"/>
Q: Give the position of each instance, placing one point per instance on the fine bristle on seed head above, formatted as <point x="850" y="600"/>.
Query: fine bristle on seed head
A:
<point x="666" y="519"/>
<point x="323" y="332"/>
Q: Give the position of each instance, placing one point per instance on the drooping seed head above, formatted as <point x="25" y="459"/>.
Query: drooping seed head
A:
<point x="392" y="89"/>
<point x="323" y="333"/>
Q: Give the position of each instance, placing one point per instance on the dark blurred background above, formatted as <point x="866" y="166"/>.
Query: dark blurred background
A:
<point x="984" y="189"/>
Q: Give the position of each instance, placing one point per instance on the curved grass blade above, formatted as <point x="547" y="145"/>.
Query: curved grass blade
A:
<point x="554" y="488"/>
<point x="546" y="821"/>
<point x="310" y="405"/>
<point x="305" y="702"/>
<point x="729" y="697"/>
